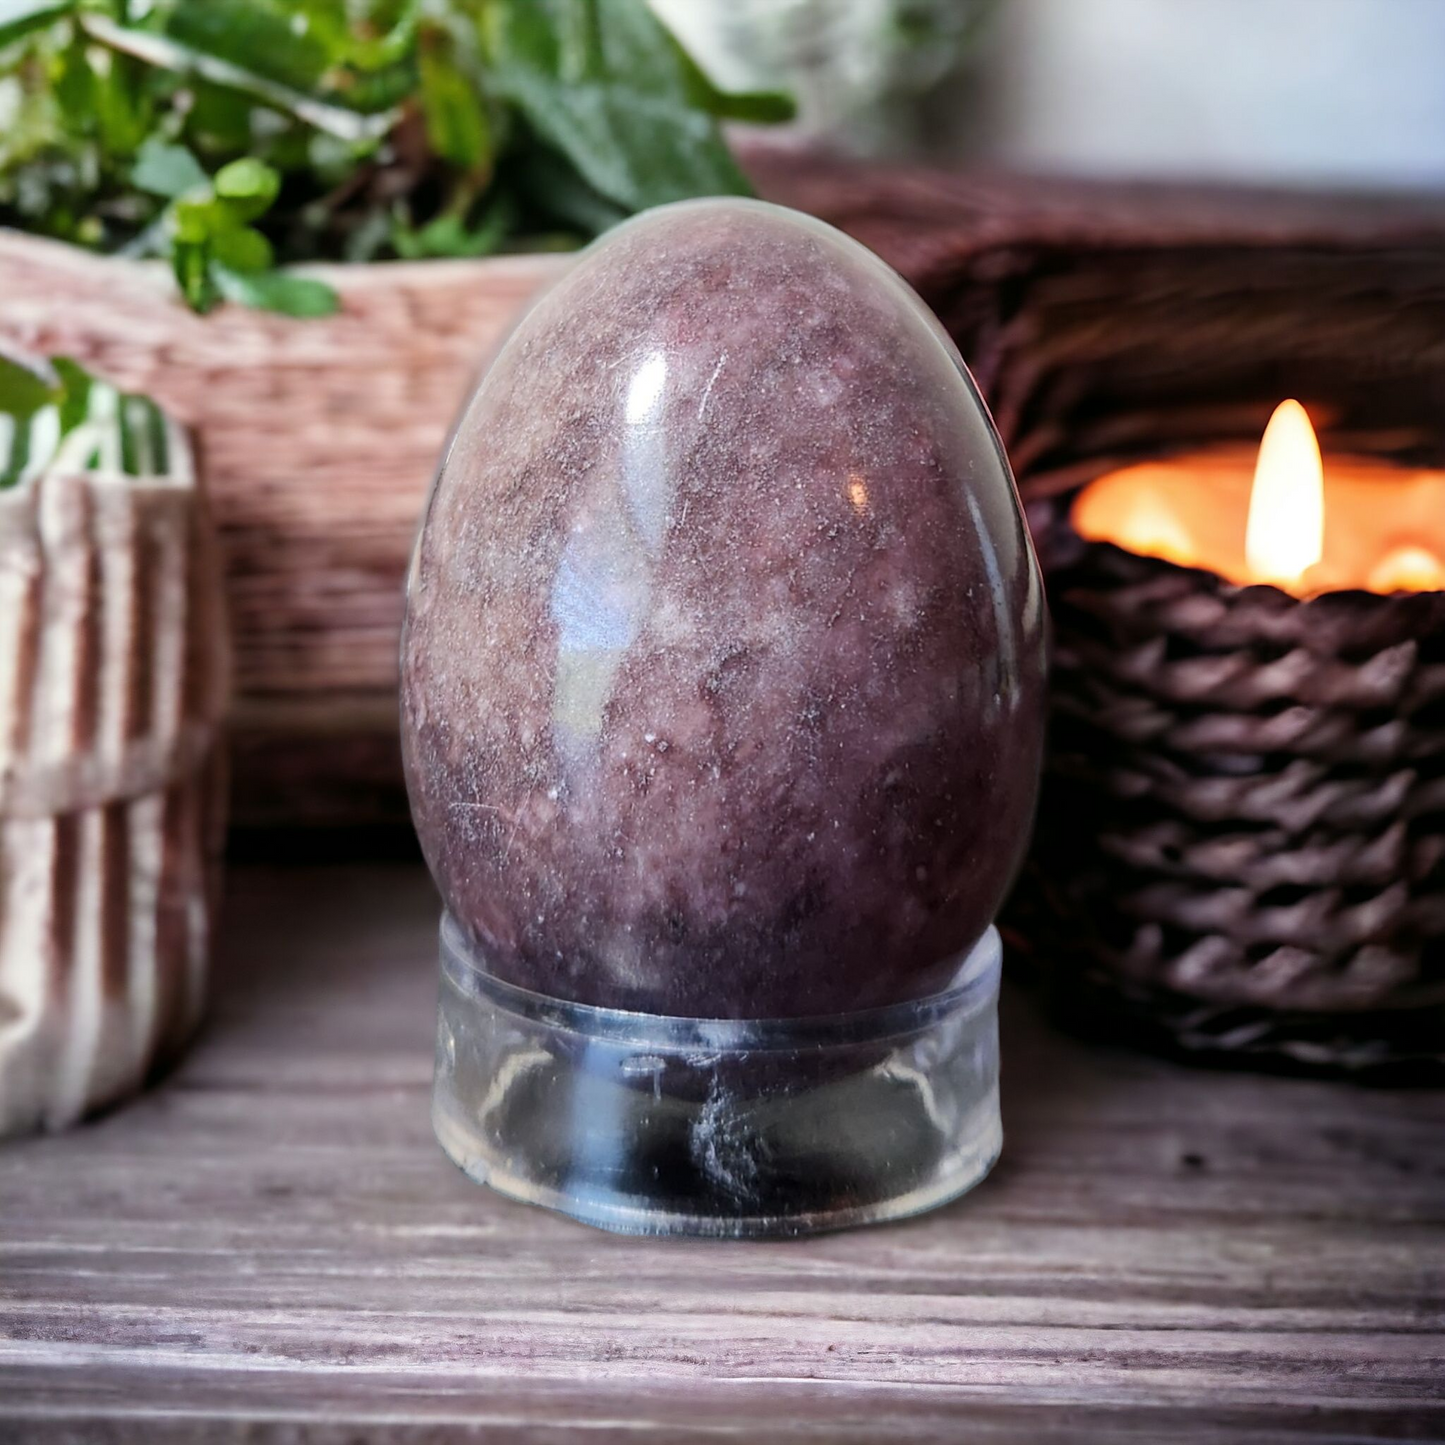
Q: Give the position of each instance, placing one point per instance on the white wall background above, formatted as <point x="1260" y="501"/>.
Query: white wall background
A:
<point x="1305" y="91"/>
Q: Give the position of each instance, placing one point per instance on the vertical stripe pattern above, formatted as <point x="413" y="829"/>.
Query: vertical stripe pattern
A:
<point x="112" y="646"/>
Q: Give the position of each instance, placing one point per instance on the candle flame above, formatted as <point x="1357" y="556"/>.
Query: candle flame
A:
<point x="1284" y="535"/>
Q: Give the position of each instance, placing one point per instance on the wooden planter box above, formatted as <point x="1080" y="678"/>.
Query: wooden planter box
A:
<point x="112" y="688"/>
<point x="320" y="439"/>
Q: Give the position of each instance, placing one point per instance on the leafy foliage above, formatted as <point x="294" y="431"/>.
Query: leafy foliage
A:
<point x="233" y="136"/>
<point x="25" y="389"/>
<point x="57" y="414"/>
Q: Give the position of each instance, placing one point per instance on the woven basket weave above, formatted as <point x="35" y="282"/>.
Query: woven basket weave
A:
<point x="112" y="686"/>
<point x="320" y="438"/>
<point x="1243" y="839"/>
<point x="1240" y="837"/>
<point x="1071" y="302"/>
<point x="1243" y="816"/>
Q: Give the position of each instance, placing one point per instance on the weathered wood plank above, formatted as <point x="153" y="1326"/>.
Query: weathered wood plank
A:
<point x="270" y="1246"/>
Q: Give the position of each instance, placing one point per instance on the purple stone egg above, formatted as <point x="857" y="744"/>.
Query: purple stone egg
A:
<point x="723" y="669"/>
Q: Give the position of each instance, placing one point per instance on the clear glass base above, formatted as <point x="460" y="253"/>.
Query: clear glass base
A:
<point x="653" y="1124"/>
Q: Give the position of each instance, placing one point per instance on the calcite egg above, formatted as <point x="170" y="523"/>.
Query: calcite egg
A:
<point x="725" y="643"/>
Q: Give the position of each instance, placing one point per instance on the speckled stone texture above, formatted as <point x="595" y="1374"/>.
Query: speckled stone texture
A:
<point x="724" y="659"/>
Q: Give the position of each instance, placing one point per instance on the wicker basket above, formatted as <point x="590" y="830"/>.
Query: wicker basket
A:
<point x="112" y="686"/>
<point x="1240" y="841"/>
<point x="1242" y="829"/>
<point x="1242" y="845"/>
<point x="320" y="439"/>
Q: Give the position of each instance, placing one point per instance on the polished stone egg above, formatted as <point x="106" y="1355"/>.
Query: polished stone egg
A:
<point x="724" y="658"/>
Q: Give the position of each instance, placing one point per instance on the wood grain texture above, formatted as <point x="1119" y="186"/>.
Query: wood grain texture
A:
<point x="269" y="1246"/>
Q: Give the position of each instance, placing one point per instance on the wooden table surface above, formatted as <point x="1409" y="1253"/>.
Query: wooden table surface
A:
<point x="269" y="1246"/>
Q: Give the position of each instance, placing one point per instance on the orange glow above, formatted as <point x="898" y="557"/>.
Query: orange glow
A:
<point x="858" y="493"/>
<point x="1285" y="534"/>
<point x="1151" y="528"/>
<point x="1408" y="569"/>
<point x="1277" y="515"/>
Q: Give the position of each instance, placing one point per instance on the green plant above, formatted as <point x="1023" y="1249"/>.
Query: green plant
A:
<point x="233" y="136"/>
<point x="58" y="414"/>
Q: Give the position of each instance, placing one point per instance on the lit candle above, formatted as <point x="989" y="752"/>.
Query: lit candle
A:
<point x="1284" y="516"/>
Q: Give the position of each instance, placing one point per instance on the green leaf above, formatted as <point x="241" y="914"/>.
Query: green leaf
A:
<point x="449" y="234"/>
<point x="166" y="54"/>
<point x="386" y="34"/>
<point x="126" y="428"/>
<point x="194" y="219"/>
<point x="242" y="249"/>
<point x="254" y="34"/>
<point x="613" y="97"/>
<point x="636" y="150"/>
<point x="552" y="184"/>
<point x="25" y="388"/>
<point x="249" y="187"/>
<point x="219" y="120"/>
<point x="167" y="170"/>
<point x="485" y="118"/>
<point x="122" y="110"/>
<point x="757" y="107"/>
<point x="456" y="116"/>
<point x="19" y="17"/>
<point x="192" y="265"/>
<point x="277" y="291"/>
<point x="142" y="432"/>
<point x="73" y="86"/>
<point x="76" y="383"/>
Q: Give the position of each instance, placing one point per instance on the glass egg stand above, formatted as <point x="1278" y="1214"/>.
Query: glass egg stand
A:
<point x="657" y="1124"/>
